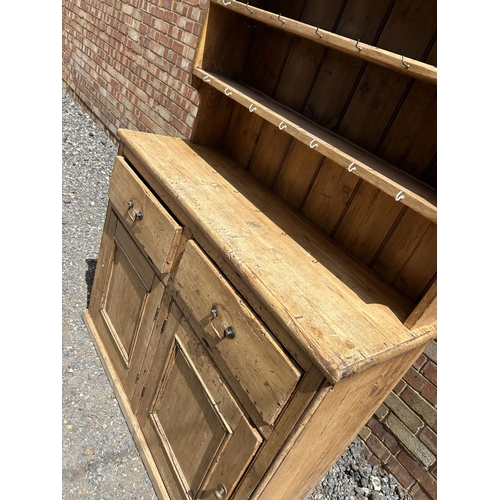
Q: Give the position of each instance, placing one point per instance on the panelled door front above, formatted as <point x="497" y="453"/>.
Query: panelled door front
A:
<point x="202" y="440"/>
<point x="125" y="303"/>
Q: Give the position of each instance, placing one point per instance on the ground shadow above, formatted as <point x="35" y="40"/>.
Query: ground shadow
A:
<point x="89" y="276"/>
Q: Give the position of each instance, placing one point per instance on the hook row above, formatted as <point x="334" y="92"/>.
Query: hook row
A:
<point x="405" y="64"/>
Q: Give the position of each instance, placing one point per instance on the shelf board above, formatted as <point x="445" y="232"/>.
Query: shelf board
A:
<point x="404" y="188"/>
<point x="396" y="62"/>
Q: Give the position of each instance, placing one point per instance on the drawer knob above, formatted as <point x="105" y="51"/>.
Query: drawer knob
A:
<point x="220" y="492"/>
<point x="139" y="215"/>
<point x="228" y="332"/>
<point x="214" y="311"/>
<point x="131" y="203"/>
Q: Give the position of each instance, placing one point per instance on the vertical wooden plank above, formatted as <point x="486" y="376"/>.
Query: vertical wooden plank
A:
<point x="411" y="141"/>
<point x="214" y="112"/>
<point x="299" y="72"/>
<point x="269" y="154"/>
<point x="242" y="133"/>
<point x="265" y="59"/>
<point x="399" y="247"/>
<point x="361" y="19"/>
<point x="331" y="192"/>
<point x="323" y="13"/>
<point x="305" y="56"/>
<point x="410" y="27"/>
<point x="421" y="267"/>
<point x="372" y="106"/>
<point x="409" y="31"/>
<point x="367" y="221"/>
<point x="298" y="171"/>
<point x="220" y="56"/>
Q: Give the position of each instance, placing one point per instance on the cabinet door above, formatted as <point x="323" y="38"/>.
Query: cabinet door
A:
<point x="125" y="299"/>
<point x="198" y="435"/>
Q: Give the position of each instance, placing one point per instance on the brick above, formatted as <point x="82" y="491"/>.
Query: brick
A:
<point x="430" y="372"/>
<point x="373" y="460"/>
<point x="427" y="411"/>
<point x="405" y="479"/>
<point x="404" y="412"/>
<point x="429" y="438"/>
<point x="418" y="494"/>
<point x="420" y="362"/>
<point x="383" y="435"/>
<point x="433" y="470"/>
<point x="381" y="411"/>
<point x="364" y="433"/>
<point x="410" y="441"/>
<point x="429" y="392"/>
<point x="378" y="448"/>
<point x="431" y="351"/>
<point x="399" y="387"/>
<point x="424" y="478"/>
<point x="422" y="385"/>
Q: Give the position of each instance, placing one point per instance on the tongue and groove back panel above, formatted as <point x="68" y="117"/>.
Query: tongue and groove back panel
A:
<point x="384" y="112"/>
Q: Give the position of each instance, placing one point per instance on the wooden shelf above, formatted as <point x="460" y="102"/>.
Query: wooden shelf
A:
<point x="404" y="188"/>
<point x="396" y="62"/>
<point x="345" y="318"/>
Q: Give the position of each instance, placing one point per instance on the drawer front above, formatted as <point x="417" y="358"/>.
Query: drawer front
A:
<point x="146" y="219"/>
<point x="258" y="370"/>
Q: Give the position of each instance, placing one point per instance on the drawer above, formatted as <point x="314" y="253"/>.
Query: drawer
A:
<point x="254" y="364"/>
<point x="145" y="217"/>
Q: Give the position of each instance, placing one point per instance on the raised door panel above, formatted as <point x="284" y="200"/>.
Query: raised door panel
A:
<point x="129" y="296"/>
<point x="198" y="435"/>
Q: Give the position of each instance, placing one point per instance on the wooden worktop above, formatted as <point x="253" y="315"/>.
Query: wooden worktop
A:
<point x="340" y="313"/>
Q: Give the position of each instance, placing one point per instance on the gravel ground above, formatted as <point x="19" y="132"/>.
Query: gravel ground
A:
<point x="99" y="457"/>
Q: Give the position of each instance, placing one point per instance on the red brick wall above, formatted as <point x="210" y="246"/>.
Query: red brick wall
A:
<point x="128" y="63"/>
<point x="402" y="434"/>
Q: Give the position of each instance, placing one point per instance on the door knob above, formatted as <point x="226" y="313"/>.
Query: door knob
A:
<point x="220" y="492"/>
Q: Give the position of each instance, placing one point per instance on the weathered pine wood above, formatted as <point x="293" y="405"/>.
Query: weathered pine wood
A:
<point x="367" y="221"/>
<point x="150" y="223"/>
<point x="397" y="252"/>
<point x="210" y="127"/>
<point x="322" y="436"/>
<point x="411" y="142"/>
<point x="124" y="301"/>
<point x="270" y="151"/>
<point x="261" y="375"/>
<point x="360" y="19"/>
<point x="306" y="390"/>
<point x="298" y="171"/>
<point x="426" y="311"/>
<point x="237" y="213"/>
<point x="195" y="419"/>
<point x="124" y="402"/>
<point x="242" y="133"/>
<point x="224" y="263"/>
<point x="416" y="195"/>
<point x="376" y="55"/>
<point x="410" y="28"/>
<point x="330" y="195"/>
